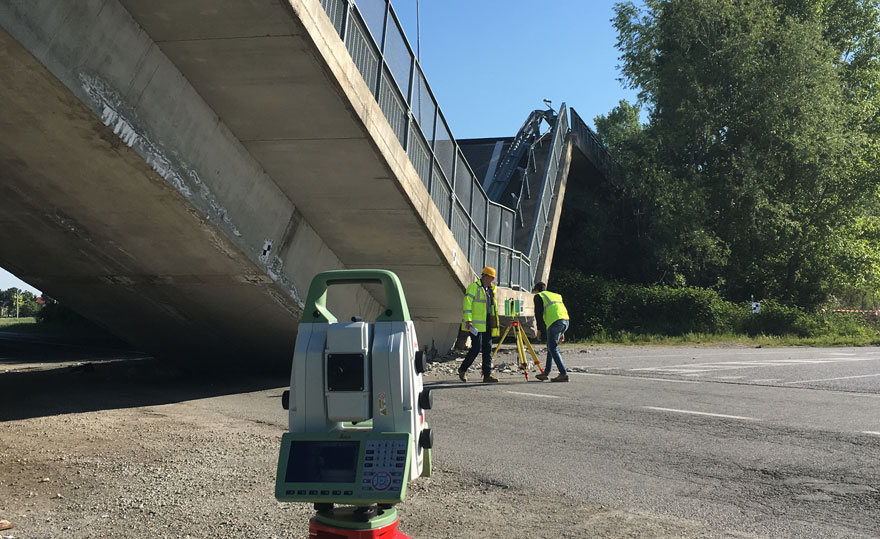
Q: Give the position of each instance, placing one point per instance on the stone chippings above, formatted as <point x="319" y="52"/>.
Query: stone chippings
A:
<point x="505" y="362"/>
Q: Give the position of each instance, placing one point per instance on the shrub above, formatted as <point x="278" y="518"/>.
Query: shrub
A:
<point x="599" y="306"/>
<point x="55" y="313"/>
<point x="778" y="319"/>
<point x="603" y="308"/>
<point x="847" y="324"/>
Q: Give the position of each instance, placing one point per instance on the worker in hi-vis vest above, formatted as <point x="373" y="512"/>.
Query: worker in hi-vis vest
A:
<point x="552" y="318"/>
<point x="480" y="319"/>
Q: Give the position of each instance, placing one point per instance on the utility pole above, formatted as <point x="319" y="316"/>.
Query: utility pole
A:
<point x="418" y="35"/>
<point x="17" y="304"/>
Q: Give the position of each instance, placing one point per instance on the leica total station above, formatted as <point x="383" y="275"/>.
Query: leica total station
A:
<point x="356" y="406"/>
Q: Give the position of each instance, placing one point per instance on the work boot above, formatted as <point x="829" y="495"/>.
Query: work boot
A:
<point x="560" y="378"/>
<point x="490" y="379"/>
<point x="462" y="375"/>
<point x="542" y="377"/>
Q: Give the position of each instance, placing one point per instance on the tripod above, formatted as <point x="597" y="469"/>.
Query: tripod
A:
<point x="522" y="342"/>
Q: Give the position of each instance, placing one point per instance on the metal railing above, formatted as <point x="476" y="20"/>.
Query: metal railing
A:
<point x="589" y="144"/>
<point x="484" y="230"/>
<point x="549" y="182"/>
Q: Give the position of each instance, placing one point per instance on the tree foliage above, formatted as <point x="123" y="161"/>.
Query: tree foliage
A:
<point x="757" y="172"/>
<point x="26" y="302"/>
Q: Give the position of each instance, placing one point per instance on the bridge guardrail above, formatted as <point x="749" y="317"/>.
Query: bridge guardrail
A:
<point x="548" y="186"/>
<point x="374" y="37"/>
<point x="589" y="144"/>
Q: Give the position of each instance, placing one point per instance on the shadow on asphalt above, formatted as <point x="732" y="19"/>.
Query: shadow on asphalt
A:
<point x="50" y="376"/>
<point x="450" y="385"/>
<point x="475" y="384"/>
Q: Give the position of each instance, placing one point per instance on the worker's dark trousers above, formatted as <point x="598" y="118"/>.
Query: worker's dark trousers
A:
<point x="482" y="341"/>
<point x="554" y="332"/>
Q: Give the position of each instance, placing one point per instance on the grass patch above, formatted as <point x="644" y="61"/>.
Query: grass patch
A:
<point x="62" y="329"/>
<point x="17" y="324"/>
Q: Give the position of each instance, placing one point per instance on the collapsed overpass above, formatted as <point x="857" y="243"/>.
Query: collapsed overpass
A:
<point x="178" y="171"/>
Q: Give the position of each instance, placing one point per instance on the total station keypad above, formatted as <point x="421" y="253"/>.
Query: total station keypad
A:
<point x="384" y="465"/>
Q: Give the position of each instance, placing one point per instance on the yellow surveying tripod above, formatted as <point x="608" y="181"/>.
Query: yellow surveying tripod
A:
<point x="511" y="308"/>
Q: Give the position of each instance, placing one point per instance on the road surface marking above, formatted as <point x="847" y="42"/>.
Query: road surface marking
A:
<point x="829" y="379"/>
<point x="693" y="368"/>
<point x="729" y="377"/>
<point x="665" y="380"/>
<point x="534" y="395"/>
<point x="700" y="413"/>
<point x="764" y="352"/>
<point x="871" y="432"/>
<point x="639" y="378"/>
<point x="766" y="380"/>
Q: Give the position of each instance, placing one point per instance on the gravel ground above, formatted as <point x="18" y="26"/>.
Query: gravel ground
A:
<point x="190" y="468"/>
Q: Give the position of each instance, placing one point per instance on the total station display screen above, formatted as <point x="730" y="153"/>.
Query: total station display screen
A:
<point x="322" y="462"/>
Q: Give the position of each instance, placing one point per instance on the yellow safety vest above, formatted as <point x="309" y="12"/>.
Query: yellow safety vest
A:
<point x="474" y="310"/>
<point x="554" y="309"/>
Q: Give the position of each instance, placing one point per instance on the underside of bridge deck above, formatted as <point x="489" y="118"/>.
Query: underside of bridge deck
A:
<point x="178" y="171"/>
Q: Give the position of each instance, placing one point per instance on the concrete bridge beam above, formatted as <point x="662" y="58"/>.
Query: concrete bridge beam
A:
<point x="178" y="171"/>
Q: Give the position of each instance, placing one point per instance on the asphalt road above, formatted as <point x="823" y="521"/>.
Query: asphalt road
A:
<point x="775" y="442"/>
<point x="732" y="442"/>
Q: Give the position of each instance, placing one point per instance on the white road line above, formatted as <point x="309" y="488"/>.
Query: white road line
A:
<point x="700" y="413"/>
<point x="829" y="379"/>
<point x="783" y="362"/>
<point x="534" y="395"/>
<point x="766" y="380"/>
<point x="729" y="377"/>
<point x="871" y="432"/>
<point x="730" y="365"/>
<point x="639" y="378"/>
<point x="665" y="380"/>
<point x="764" y="351"/>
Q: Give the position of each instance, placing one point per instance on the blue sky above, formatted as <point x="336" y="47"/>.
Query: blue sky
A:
<point x="491" y="62"/>
<point x="8" y="280"/>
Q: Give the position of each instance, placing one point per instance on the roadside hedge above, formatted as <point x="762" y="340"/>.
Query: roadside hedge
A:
<point x="599" y="307"/>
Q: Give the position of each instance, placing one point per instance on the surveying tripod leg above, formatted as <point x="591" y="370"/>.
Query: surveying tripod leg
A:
<point x="520" y="352"/>
<point x="532" y="350"/>
<point x="500" y="342"/>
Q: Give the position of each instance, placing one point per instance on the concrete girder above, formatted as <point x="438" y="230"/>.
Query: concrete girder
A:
<point x="178" y="171"/>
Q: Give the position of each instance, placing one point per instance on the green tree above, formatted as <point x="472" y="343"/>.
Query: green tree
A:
<point x="28" y="305"/>
<point x="762" y="145"/>
<point x="597" y="229"/>
<point x="7" y="300"/>
<point x="21" y="301"/>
